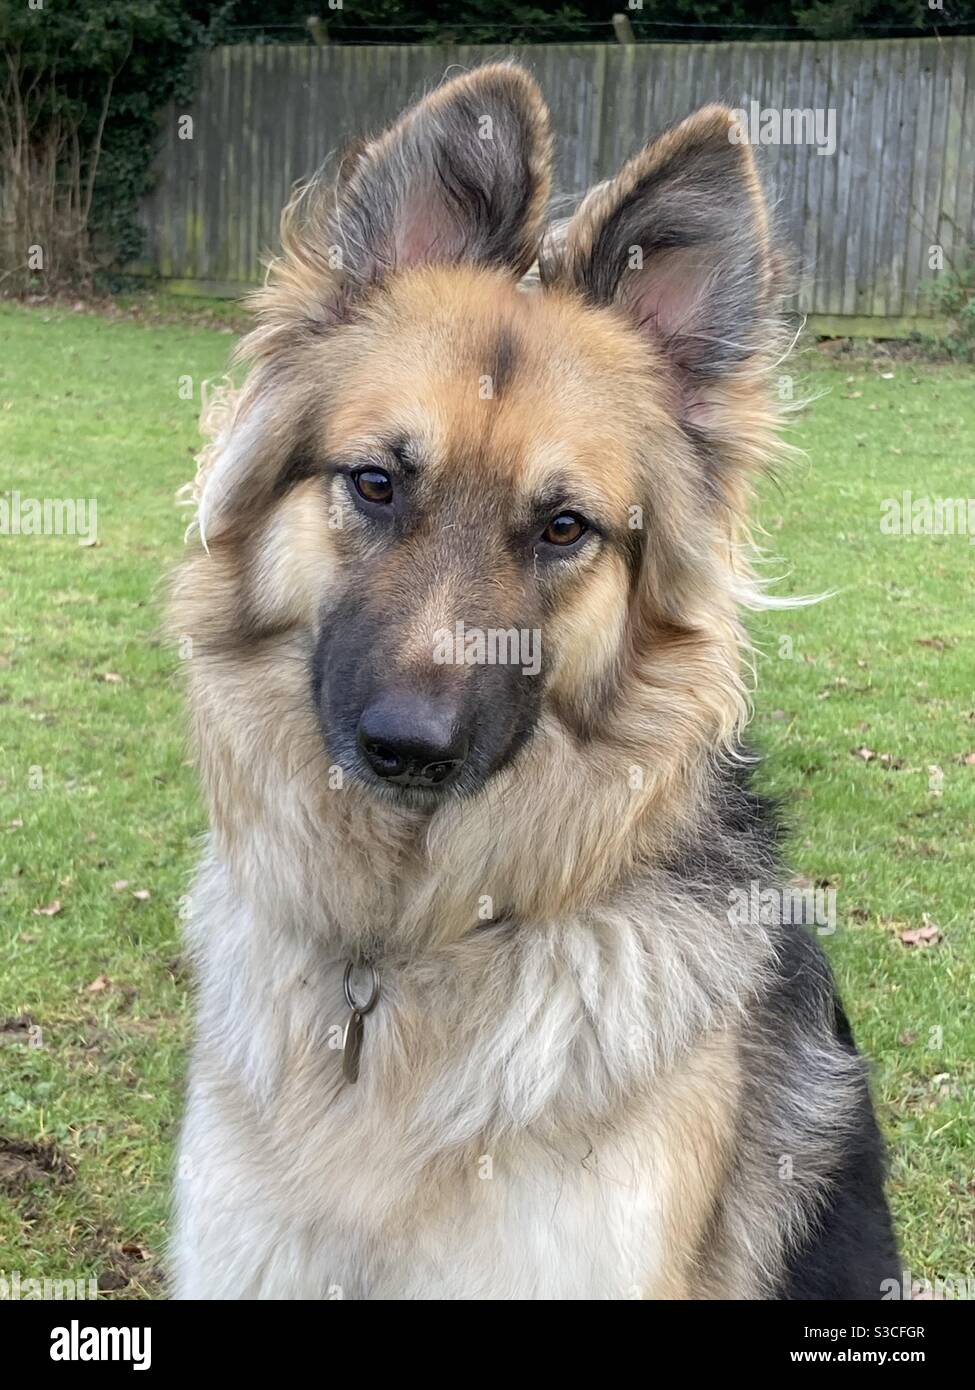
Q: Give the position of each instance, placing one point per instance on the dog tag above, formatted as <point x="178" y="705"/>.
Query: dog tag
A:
<point x="352" y="1047"/>
<point x="355" y="1027"/>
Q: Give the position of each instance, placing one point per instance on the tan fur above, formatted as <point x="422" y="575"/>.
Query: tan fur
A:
<point x="696" y="1111"/>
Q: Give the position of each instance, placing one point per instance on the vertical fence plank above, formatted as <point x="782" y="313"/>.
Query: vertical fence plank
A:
<point x="834" y="269"/>
<point x="906" y="71"/>
<point x="948" y="223"/>
<point x="812" y="239"/>
<point x="964" y="217"/>
<point x="931" y="224"/>
<point x="886" y="292"/>
<point x="916" y="212"/>
<point x="871" y="152"/>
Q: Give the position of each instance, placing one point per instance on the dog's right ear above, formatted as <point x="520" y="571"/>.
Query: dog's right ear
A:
<point x="462" y="177"/>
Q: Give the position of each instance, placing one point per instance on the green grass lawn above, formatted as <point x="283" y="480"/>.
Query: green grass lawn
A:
<point x="99" y="813"/>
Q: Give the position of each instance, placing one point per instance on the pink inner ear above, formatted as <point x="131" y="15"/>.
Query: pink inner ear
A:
<point x="425" y="233"/>
<point x="667" y="296"/>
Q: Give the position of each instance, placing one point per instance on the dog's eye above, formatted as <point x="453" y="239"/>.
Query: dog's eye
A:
<point x="565" y="529"/>
<point x="373" y="485"/>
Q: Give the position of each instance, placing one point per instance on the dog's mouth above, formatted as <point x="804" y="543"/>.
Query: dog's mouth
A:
<point x="423" y="787"/>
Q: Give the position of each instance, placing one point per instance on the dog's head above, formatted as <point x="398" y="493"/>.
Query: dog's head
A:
<point x="466" y="507"/>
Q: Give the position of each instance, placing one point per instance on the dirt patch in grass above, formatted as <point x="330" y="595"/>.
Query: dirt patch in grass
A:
<point x="23" y="1162"/>
<point x="19" y="1029"/>
<point x="122" y="1267"/>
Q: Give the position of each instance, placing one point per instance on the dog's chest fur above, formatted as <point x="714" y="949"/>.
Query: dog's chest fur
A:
<point x="514" y="1133"/>
<point x="521" y="1224"/>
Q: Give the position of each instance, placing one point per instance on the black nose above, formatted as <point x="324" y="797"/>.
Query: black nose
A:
<point x="413" y="740"/>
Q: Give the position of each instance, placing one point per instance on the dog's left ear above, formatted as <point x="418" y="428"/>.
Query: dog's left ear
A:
<point x="680" y="241"/>
<point x="462" y="176"/>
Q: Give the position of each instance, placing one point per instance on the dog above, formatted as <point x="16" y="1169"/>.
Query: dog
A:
<point x="474" y="1019"/>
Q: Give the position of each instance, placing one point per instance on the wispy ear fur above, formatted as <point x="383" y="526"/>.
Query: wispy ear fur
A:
<point x="463" y="177"/>
<point x="680" y="240"/>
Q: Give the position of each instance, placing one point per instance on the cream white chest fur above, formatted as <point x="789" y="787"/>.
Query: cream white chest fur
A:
<point x="556" y="1229"/>
<point x="516" y="1133"/>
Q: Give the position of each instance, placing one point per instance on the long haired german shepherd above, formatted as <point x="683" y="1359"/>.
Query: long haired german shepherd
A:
<point x="474" y="1018"/>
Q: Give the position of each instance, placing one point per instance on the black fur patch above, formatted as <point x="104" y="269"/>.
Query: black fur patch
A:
<point x="743" y="840"/>
<point x="504" y="361"/>
<point x="851" y="1249"/>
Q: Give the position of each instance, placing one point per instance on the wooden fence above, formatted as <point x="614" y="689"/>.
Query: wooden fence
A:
<point x="862" y="217"/>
